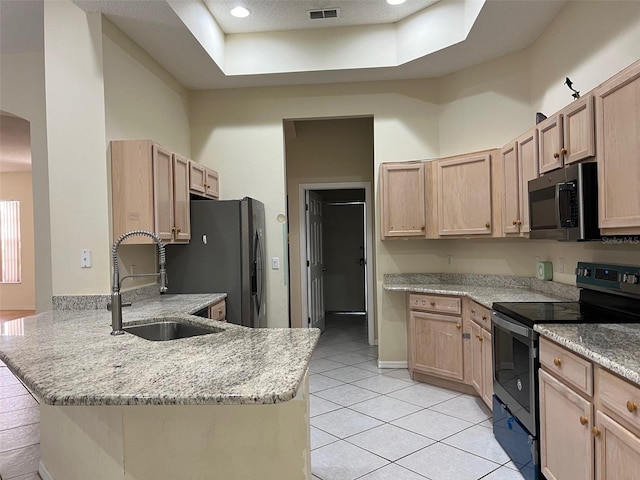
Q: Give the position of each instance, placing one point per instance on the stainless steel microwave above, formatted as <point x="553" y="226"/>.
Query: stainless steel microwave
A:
<point x="563" y="204"/>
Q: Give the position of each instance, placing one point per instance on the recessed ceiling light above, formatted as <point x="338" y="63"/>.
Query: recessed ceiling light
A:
<point x="396" y="2"/>
<point x="241" y="12"/>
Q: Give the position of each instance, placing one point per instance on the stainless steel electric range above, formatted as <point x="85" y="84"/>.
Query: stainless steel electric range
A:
<point x="608" y="294"/>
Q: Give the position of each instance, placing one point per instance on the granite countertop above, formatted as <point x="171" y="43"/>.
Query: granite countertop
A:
<point x="481" y="294"/>
<point x="68" y="357"/>
<point x="613" y="346"/>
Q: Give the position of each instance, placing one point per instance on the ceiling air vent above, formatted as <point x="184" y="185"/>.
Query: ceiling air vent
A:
<point x="324" y="13"/>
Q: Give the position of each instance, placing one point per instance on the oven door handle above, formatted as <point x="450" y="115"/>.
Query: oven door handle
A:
<point x="510" y="326"/>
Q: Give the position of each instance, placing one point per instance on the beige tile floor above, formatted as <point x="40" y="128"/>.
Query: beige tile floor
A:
<point x="372" y="424"/>
<point x="366" y="423"/>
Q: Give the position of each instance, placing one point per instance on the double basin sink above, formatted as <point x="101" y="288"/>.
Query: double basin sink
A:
<point x="169" y="329"/>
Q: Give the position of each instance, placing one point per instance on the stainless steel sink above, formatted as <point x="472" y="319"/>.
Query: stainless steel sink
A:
<point x="169" y="330"/>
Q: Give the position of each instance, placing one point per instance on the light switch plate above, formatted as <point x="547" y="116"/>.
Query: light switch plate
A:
<point x="275" y="263"/>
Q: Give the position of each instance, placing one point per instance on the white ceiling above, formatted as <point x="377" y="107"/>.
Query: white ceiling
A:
<point x="281" y="15"/>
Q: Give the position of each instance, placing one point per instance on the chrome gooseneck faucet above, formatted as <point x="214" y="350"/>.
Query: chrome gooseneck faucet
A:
<point x="116" y="299"/>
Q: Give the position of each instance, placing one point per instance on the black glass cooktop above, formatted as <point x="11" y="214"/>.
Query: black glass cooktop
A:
<point x="594" y="307"/>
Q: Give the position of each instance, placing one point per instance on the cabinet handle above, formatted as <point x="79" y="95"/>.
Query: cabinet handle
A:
<point x="556" y="155"/>
<point x="473" y="310"/>
<point x="519" y="222"/>
<point x="480" y="338"/>
<point x="631" y="406"/>
<point x="515" y="222"/>
<point x="432" y="303"/>
<point x="422" y="228"/>
<point x="583" y="420"/>
<point x="173" y="229"/>
<point x="596" y="432"/>
<point x="177" y="230"/>
<point x="557" y="362"/>
<point x="458" y="326"/>
<point x="487" y="225"/>
<point x="484" y="318"/>
<point x="563" y="151"/>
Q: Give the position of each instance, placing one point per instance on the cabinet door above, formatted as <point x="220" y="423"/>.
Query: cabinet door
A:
<point x="487" y="368"/>
<point x="618" y="127"/>
<point x="477" y="381"/>
<point x="464" y="195"/>
<point x="212" y="185"/>
<point x="182" y="222"/>
<point x="163" y="192"/>
<point x="511" y="220"/>
<point x="197" y="178"/>
<point x="617" y="450"/>
<point x="528" y="170"/>
<point x="566" y="443"/>
<point x="579" y="130"/>
<point x="402" y="196"/>
<point x="437" y="345"/>
<point x="550" y="142"/>
<point x="132" y="188"/>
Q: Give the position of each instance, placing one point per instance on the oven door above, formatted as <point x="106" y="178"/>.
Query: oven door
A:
<point x="515" y="366"/>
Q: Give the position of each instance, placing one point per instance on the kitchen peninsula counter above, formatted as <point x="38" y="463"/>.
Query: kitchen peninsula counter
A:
<point x="231" y="405"/>
<point x="69" y="358"/>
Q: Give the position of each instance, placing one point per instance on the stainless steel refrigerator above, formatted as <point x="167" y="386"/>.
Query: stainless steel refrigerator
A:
<point x="226" y="254"/>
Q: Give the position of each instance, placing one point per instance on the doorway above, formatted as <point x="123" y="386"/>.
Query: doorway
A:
<point x="336" y="239"/>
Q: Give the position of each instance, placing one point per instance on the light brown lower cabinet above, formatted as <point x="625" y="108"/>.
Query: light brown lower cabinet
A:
<point x="583" y="436"/>
<point x="481" y="351"/>
<point x="566" y="444"/>
<point x="218" y="311"/>
<point x="436" y="345"/>
<point x="617" y="450"/>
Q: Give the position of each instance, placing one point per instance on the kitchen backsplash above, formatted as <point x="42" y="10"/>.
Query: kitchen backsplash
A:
<point x="99" y="302"/>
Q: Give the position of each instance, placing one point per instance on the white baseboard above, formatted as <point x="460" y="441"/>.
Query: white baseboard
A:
<point x="390" y="364"/>
<point x="43" y="472"/>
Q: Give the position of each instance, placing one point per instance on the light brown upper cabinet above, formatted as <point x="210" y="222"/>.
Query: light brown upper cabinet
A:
<point x="464" y="195"/>
<point x="519" y="165"/>
<point x="568" y="136"/>
<point x="403" y="200"/>
<point x="618" y="147"/>
<point x="203" y="181"/>
<point x="149" y="191"/>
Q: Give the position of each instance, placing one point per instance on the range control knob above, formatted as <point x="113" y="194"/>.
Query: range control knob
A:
<point x="583" y="272"/>
<point x="629" y="278"/>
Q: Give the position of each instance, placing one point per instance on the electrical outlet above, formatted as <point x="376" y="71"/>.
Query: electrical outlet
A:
<point x="85" y="258"/>
<point x="560" y="265"/>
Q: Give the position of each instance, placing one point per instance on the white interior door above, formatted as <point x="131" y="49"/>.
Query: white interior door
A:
<point x="315" y="267"/>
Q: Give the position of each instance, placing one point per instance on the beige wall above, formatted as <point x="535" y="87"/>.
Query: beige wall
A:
<point x="142" y="100"/>
<point x="20" y="296"/>
<point x="22" y="93"/>
<point x="240" y="133"/>
<point x="322" y="151"/>
<point x="76" y="148"/>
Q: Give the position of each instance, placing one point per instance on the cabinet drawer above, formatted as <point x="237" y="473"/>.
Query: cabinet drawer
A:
<point x="480" y="314"/>
<point x="567" y="366"/>
<point x="218" y="311"/>
<point x="619" y="397"/>
<point x="435" y="303"/>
